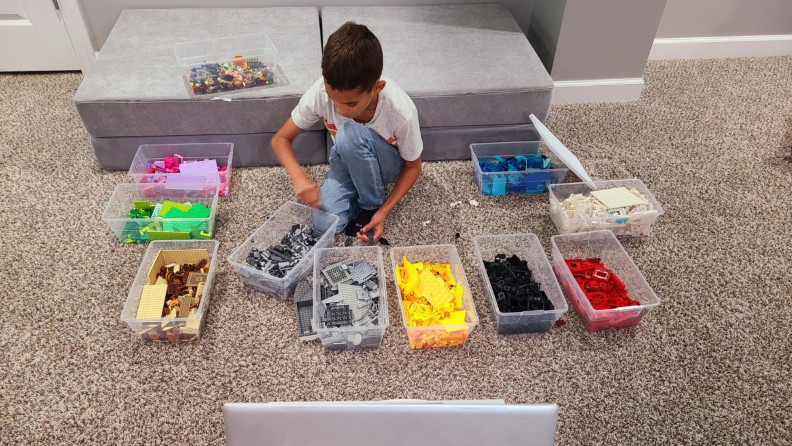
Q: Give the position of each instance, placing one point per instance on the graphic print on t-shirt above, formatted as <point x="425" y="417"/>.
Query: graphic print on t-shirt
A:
<point x="330" y="127"/>
<point x="395" y="120"/>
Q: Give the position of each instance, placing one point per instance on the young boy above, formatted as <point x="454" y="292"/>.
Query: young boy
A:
<point x="374" y="125"/>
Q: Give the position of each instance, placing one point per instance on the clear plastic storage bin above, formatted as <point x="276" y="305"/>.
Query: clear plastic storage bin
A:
<point x="271" y="232"/>
<point x="447" y="335"/>
<point x="254" y="57"/>
<point x="628" y="225"/>
<point x="142" y="230"/>
<point x="527" y="247"/>
<point x="528" y="181"/>
<point x="603" y="245"/>
<point x="222" y="153"/>
<point x="351" y="338"/>
<point x="169" y="329"/>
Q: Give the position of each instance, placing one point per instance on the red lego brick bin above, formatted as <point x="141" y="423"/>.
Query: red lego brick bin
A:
<point x="617" y="295"/>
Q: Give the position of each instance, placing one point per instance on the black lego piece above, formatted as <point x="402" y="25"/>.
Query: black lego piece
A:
<point x="303" y="298"/>
<point x="514" y="287"/>
<point x="338" y="316"/>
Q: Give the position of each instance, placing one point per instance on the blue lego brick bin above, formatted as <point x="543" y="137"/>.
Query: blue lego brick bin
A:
<point x="530" y="169"/>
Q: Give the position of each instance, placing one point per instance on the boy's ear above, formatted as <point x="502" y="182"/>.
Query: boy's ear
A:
<point x="378" y="86"/>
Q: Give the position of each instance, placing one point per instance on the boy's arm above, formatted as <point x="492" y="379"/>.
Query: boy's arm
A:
<point x="408" y="176"/>
<point x="306" y="190"/>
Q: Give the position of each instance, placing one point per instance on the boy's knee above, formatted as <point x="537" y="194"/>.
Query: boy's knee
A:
<point x="324" y="221"/>
<point x="350" y="138"/>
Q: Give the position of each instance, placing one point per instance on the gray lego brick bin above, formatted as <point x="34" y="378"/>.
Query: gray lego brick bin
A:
<point x="351" y="337"/>
<point x="271" y="232"/>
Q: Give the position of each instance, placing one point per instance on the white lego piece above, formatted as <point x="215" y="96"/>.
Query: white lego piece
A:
<point x="618" y="197"/>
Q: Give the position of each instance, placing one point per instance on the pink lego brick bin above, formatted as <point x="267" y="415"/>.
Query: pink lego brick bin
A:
<point x="184" y="166"/>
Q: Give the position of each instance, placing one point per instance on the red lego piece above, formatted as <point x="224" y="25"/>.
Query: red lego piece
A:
<point x="603" y="289"/>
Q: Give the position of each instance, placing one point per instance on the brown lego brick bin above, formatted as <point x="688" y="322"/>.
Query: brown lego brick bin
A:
<point x="169" y="298"/>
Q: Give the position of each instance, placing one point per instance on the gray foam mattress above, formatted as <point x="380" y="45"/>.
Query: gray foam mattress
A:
<point x="463" y="65"/>
<point x="135" y="86"/>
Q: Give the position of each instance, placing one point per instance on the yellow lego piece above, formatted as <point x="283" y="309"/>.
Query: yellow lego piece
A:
<point x="152" y="301"/>
<point x="434" y="289"/>
<point x="409" y="274"/>
<point x="456" y="318"/>
<point x="167" y="205"/>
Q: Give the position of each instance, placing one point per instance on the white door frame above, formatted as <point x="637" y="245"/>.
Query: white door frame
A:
<point x="78" y="33"/>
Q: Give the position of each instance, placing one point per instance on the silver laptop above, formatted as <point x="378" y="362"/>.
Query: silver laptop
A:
<point x="390" y="423"/>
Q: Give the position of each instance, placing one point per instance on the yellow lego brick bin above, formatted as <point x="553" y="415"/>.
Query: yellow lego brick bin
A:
<point x="434" y="296"/>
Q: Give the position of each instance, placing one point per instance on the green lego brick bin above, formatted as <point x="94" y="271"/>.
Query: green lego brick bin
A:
<point x="194" y="222"/>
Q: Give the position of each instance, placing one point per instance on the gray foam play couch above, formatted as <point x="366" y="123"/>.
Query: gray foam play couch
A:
<point x="469" y="69"/>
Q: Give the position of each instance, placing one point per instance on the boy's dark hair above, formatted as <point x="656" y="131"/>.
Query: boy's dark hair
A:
<point x="352" y="58"/>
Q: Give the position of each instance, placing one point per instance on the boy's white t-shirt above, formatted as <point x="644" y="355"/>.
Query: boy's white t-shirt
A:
<point x="395" y="119"/>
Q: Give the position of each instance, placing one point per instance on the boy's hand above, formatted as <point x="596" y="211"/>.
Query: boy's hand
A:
<point x="377" y="225"/>
<point x="308" y="193"/>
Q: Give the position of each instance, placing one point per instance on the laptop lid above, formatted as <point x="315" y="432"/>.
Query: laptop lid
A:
<point x="388" y="424"/>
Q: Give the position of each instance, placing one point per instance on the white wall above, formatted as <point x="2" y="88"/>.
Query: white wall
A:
<point x="545" y="28"/>
<point x="602" y="39"/>
<point x="101" y="15"/>
<point x="714" y="18"/>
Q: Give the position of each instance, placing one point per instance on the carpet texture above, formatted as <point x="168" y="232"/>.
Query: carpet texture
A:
<point x="710" y="365"/>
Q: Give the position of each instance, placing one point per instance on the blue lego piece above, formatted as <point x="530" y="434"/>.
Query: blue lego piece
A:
<point x="499" y="185"/>
<point x="516" y="181"/>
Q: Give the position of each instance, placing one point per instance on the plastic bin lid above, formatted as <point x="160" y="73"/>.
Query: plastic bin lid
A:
<point x="561" y="151"/>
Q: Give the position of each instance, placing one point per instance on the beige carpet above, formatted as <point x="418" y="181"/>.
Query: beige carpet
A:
<point x="710" y="365"/>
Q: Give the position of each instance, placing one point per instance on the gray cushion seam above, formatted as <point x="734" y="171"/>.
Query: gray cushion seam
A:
<point x="413" y="96"/>
<point x="179" y="101"/>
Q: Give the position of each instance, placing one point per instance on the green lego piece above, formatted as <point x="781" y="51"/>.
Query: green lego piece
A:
<point x="135" y="213"/>
<point x="132" y="237"/>
<point x="144" y="205"/>
<point x="198" y="211"/>
<point x="167" y="205"/>
<point x="181" y="226"/>
<point x="206" y="235"/>
<point x="168" y="235"/>
<point x="155" y="226"/>
<point x="131" y="226"/>
<point x="174" y="213"/>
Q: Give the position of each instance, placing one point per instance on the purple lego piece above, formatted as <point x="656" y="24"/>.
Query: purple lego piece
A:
<point x="185" y="182"/>
<point x="207" y="166"/>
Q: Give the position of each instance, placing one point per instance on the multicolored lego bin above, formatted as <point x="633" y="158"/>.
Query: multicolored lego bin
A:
<point x="446" y="328"/>
<point x="604" y="246"/>
<point x="228" y="64"/>
<point x="140" y="213"/>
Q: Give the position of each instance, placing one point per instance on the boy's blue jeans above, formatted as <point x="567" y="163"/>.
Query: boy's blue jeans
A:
<point x="361" y="164"/>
